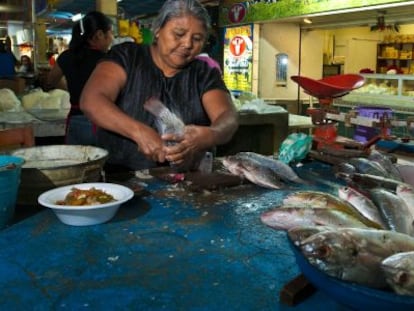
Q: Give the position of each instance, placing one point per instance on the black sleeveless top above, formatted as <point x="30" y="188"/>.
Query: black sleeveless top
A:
<point x="181" y="94"/>
<point x="77" y="73"/>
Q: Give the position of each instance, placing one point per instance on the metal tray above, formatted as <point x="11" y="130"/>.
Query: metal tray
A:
<point x="330" y="87"/>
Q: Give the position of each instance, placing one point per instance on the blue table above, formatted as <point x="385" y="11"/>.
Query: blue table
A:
<point x="169" y="250"/>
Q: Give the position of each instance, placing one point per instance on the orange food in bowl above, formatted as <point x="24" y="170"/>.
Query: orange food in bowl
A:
<point x="92" y="196"/>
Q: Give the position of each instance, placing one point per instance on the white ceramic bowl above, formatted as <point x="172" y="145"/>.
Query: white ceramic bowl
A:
<point x="87" y="214"/>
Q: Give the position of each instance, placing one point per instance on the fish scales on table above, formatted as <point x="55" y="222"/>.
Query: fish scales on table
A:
<point x="318" y="199"/>
<point x="261" y="170"/>
<point x="355" y="254"/>
<point x="394" y="211"/>
<point x="363" y="204"/>
<point x="399" y="272"/>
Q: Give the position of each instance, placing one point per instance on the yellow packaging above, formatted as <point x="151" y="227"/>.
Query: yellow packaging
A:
<point x="123" y="27"/>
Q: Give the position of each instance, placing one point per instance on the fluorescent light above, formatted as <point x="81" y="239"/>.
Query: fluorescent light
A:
<point x="307" y="20"/>
<point x="77" y="17"/>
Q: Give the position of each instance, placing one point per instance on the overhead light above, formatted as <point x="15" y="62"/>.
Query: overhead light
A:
<point x="76" y="17"/>
<point x="118" y="0"/>
<point x="307" y="21"/>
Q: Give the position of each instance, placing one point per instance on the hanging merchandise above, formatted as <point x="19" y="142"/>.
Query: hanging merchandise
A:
<point x="295" y="147"/>
<point x="123" y="27"/>
<point x="135" y="32"/>
<point x="147" y="35"/>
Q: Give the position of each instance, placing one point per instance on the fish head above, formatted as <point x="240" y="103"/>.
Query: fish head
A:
<point x="346" y="193"/>
<point x="345" y="168"/>
<point x="278" y="218"/>
<point x="298" y="234"/>
<point x="405" y="188"/>
<point x="232" y="164"/>
<point x="330" y="247"/>
<point x="399" y="272"/>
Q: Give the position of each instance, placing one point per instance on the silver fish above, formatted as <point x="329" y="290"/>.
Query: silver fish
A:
<point x="363" y="204"/>
<point x="355" y="254"/>
<point x="344" y="168"/>
<point x="365" y="166"/>
<point x="406" y="193"/>
<point x="166" y="121"/>
<point x="286" y="218"/>
<point x="369" y="180"/>
<point x="253" y="171"/>
<point x="385" y="162"/>
<point x="399" y="272"/>
<point x="318" y="199"/>
<point x="233" y="165"/>
<point x="284" y="171"/>
<point x="394" y="211"/>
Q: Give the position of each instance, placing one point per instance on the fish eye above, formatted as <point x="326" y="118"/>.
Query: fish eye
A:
<point x="402" y="278"/>
<point x="323" y="251"/>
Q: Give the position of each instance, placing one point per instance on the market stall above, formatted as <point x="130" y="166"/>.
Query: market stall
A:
<point x="166" y="248"/>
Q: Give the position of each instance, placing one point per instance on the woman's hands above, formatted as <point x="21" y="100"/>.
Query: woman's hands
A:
<point x="188" y="147"/>
<point x="150" y="144"/>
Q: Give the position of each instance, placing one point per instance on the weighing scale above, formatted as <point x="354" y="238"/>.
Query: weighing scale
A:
<point x="327" y="144"/>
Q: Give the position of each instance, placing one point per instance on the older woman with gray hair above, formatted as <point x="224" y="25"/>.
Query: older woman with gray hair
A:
<point x="168" y="71"/>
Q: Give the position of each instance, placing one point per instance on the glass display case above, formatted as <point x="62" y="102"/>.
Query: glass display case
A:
<point x="383" y="90"/>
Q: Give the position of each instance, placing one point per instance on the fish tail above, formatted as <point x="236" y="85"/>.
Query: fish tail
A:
<point x="154" y="106"/>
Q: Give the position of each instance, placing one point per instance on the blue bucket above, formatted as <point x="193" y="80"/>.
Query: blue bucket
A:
<point x="10" y="170"/>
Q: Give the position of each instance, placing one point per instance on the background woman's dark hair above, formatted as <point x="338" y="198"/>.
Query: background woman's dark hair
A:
<point x="85" y="29"/>
<point x="2" y="47"/>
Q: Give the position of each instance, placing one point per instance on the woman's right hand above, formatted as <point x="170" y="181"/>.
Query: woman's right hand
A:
<point x="150" y="144"/>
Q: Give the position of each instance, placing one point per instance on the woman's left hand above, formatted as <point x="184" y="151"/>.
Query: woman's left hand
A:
<point x="187" y="147"/>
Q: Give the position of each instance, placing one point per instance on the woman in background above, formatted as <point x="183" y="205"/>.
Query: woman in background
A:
<point x="7" y="62"/>
<point x="91" y="38"/>
<point x="26" y="65"/>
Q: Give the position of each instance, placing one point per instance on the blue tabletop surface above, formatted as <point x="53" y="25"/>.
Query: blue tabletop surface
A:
<point x="169" y="250"/>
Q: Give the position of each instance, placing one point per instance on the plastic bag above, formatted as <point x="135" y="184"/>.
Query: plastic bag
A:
<point x="9" y="101"/>
<point x="295" y="147"/>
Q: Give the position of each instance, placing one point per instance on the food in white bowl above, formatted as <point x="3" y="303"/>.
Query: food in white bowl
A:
<point x="83" y="212"/>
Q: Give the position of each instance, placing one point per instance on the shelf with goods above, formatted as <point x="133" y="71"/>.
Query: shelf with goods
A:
<point x="398" y="54"/>
<point x="395" y="91"/>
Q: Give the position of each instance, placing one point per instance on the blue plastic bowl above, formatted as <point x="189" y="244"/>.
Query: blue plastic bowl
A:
<point x="10" y="171"/>
<point x="355" y="296"/>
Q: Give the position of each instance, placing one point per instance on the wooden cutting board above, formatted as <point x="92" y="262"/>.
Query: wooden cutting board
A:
<point x="198" y="181"/>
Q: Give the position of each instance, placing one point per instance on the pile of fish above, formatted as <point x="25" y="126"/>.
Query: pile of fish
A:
<point x="362" y="234"/>
<point x="261" y="170"/>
